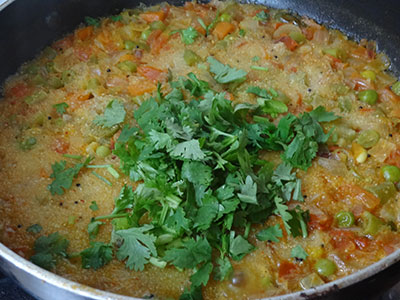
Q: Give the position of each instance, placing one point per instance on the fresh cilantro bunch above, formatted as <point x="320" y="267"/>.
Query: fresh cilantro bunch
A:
<point x="203" y="184"/>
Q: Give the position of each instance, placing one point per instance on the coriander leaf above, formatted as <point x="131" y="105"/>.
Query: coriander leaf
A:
<point x="202" y="276"/>
<point x="188" y="35"/>
<point x="92" y="21"/>
<point x="94" y="206"/>
<point x="98" y="255"/>
<point x="263" y="93"/>
<point x="190" y="255"/>
<point x="125" y="199"/>
<point x="298" y="222"/>
<point x="35" y="228"/>
<point x="113" y="115"/>
<point x="239" y="247"/>
<point x="299" y="253"/>
<point x="248" y="191"/>
<point x="126" y="133"/>
<point x="93" y="228"/>
<point x="224" y="73"/>
<point x="196" y="172"/>
<point x="272" y="107"/>
<point x="60" y="107"/>
<point x="262" y="16"/>
<point x="62" y="177"/>
<point x="321" y="115"/>
<point x="195" y="86"/>
<point x="194" y="294"/>
<point x="282" y="210"/>
<point x="116" y="18"/>
<point x="272" y="233"/>
<point x="160" y="140"/>
<point x="188" y="150"/>
<point x="205" y="215"/>
<point x="223" y="270"/>
<point x="137" y="246"/>
<point x="47" y="249"/>
<point x="178" y="221"/>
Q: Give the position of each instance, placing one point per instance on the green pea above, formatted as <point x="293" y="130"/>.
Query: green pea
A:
<point x="325" y="267"/>
<point x="28" y="143"/>
<point x="190" y="57"/>
<point x="103" y="151"/>
<point x="157" y="25"/>
<point x="345" y="219"/>
<point x="368" y="74"/>
<point x="384" y="191"/>
<point x="368" y="138"/>
<point x="129" y="45"/>
<point x="297" y="36"/>
<point x="371" y="224"/>
<point x="225" y="17"/>
<point x="145" y="34"/>
<point x="368" y="96"/>
<point x="396" y="88"/>
<point x="127" y="66"/>
<point x="391" y="173"/>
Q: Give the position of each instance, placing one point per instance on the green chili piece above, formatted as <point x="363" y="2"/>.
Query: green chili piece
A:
<point x="391" y="173"/>
<point x="371" y="224"/>
<point x="190" y="57"/>
<point x="325" y="267"/>
<point x="368" y="96"/>
<point x="368" y="138"/>
<point x="345" y="219"/>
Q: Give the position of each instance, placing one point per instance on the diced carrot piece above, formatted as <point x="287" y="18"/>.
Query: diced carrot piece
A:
<point x="152" y="73"/>
<point x="141" y="88"/>
<point x="309" y="33"/>
<point x="126" y="57"/>
<point x="84" y="97"/>
<point x="290" y="43"/>
<point x="83" y="53"/>
<point x="63" y="44"/>
<point x="152" y="16"/>
<point x="277" y="25"/>
<point x="223" y="29"/>
<point x="229" y="96"/>
<point x="321" y="221"/>
<point x="386" y="95"/>
<point x="84" y="33"/>
<point x="60" y="146"/>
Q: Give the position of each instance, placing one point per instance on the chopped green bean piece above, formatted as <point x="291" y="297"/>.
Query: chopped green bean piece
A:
<point x="391" y="173"/>
<point x="127" y="66"/>
<point x="157" y="25"/>
<point x="145" y="34"/>
<point x="297" y="36"/>
<point x="371" y="224"/>
<point x="384" y="191"/>
<point x="345" y="219"/>
<point x="368" y="138"/>
<point x="190" y="57"/>
<point x="335" y="52"/>
<point x="325" y="267"/>
<point x="368" y="96"/>
<point x="396" y="88"/>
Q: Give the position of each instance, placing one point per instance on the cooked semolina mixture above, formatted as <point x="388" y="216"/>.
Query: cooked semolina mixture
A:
<point x="210" y="151"/>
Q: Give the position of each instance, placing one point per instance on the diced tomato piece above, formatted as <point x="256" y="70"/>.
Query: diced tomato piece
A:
<point x="60" y="146"/>
<point x="320" y="222"/>
<point x="343" y="240"/>
<point x="64" y="44"/>
<point x="152" y="73"/>
<point x="19" y="90"/>
<point x="287" y="268"/>
<point x="290" y="43"/>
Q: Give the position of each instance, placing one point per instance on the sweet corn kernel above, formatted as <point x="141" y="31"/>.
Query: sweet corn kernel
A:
<point x="315" y="252"/>
<point x="360" y="154"/>
<point x="91" y="148"/>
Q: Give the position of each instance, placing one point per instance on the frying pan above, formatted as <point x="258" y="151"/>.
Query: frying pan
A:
<point x="27" y="26"/>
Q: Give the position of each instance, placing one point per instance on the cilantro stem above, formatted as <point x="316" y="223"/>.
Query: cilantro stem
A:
<point x="113" y="172"/>
<point x="259" y="68"/>
<point x="101" y="178"/>
<point x="72" y="156"/>
<point x="247" y="230"/>
<point x="98" y="166"/>
<point x="74" y="254"/>
<point x="259" y="119"/>
<point x="121" y="215"/>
